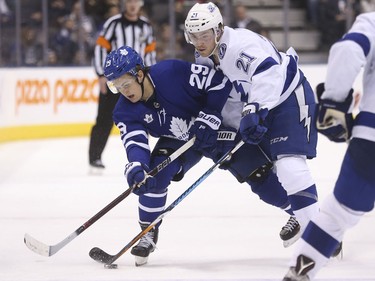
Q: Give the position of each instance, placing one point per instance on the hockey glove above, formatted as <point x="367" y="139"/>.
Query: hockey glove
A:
<point x="205" y="130"/>
<point x="227" y="138"/>
<point x="251" y="125"/>
<point x="335" y="119"/>
<point x="135" y="173"/>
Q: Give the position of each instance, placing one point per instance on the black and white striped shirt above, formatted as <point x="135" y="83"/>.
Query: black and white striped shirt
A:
<point x="119" y="31"/>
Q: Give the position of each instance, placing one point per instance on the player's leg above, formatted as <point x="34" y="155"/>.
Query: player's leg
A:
<point x="150" y="205"/>
<point x="102" y="128"/>
<point x="354" y="195"/>
<point x="292" y="139"/>
<point x="250" y="165"/>
<point x="295" y="176"/>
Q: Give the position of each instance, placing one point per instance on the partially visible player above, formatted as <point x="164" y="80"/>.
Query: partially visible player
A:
<point x="278" y="105"/>
<point x="354" y="191"/>
<point x="172" y="101"/>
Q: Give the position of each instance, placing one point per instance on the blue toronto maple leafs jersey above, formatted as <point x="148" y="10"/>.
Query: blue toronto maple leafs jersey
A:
<point x="181" y="90"/>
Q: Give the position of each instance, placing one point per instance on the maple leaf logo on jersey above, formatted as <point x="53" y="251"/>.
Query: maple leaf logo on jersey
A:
<point x="180" y="128"/>
<point x="148" y="118"/>
<point x="123" y="52"/>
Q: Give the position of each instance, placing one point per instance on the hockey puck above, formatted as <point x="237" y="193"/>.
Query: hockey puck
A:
<point x="110" y="266"/>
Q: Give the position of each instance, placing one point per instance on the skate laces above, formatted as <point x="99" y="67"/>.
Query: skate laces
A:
<point x="291" y="224"/>
<point x="147" y="240"/>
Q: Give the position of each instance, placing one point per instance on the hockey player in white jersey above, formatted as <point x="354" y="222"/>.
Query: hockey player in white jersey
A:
<point x="354" y="191"/>
<point x="277" y="105"/>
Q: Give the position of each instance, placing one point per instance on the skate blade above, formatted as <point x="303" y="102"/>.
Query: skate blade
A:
<point x="139" y="261"/>
<point x="340" y="256"/>
<point x="291" y="241"/>
<point x="339" y="253"/>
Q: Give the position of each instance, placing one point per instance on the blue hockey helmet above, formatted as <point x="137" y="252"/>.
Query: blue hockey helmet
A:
<point x="121" y="61"/>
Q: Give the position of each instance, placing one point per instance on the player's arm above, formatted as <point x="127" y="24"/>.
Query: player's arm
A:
<point x="217" y="88"/>
<point x="214" y="89"/>
<point x="133" y="134"/>
<point x="259" y="96"/>
<point x="135" y="140"/>
<point x="346" y="58"/>
<point x="267" y="82"/>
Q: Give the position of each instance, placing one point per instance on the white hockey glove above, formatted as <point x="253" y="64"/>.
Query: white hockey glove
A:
<point x="335" y="119"/>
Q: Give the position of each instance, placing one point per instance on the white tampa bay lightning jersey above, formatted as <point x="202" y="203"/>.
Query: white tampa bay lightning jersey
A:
<point x="346" y="58"/>
<point x="258" y="71"/>
<point x="181" y="90"/>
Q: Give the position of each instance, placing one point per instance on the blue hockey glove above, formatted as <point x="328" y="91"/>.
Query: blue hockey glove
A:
<point x="135" y="173"/>
<point x="227" y="138"/>
<point x="335" y="119"/>
<point x="205" y="130"/>
<point x="251" y="125"/>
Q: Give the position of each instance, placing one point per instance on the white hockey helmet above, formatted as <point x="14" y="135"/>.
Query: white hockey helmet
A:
<point x="203" y="17"/>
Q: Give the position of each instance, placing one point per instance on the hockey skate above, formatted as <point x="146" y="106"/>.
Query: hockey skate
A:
<point x="145" y="246"/>
<point x="96" y="167"/>
<point x="290" y="232"/>
<point x="299" y="272"/>
<point x="338" y="252"/>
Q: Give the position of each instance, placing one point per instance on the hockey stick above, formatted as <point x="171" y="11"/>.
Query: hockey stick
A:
<point x="49" y="250"/>
<point x="103" y="257"/>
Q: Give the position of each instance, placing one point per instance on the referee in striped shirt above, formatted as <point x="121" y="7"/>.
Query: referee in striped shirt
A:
<point x="131" y="29"/>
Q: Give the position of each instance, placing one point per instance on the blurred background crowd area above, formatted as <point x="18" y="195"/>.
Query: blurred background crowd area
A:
<point x="63" y="32"/>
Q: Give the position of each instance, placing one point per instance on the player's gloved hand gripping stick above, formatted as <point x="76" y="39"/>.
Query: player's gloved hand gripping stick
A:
<point x="205" y="129"/>
<point x="103" y="257"/>
<point x="136" y="175"/>
<point x="47" y="250"/>
<point x="251" y="125"/>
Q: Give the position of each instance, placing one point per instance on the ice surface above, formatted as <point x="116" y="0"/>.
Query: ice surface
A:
<point x="221" y="231"/>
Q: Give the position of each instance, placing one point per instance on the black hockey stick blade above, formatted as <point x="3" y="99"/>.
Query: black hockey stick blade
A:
<point x="99" y="255"/>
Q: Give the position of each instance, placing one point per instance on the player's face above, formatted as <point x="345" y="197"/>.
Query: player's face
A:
<point x="204" y="42"/>
<point x="128" y="87"/>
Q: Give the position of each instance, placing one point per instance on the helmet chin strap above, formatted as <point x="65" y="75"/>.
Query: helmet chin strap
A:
<point x="142" y="85"/>
<point x="214" y="49"/>
<point x="217" y="41"/>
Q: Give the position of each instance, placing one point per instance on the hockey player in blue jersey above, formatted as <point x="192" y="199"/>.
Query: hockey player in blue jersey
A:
<point x="277" y="103"/>
<point x="354" y="191"/>
<point x="172" y="101"/>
